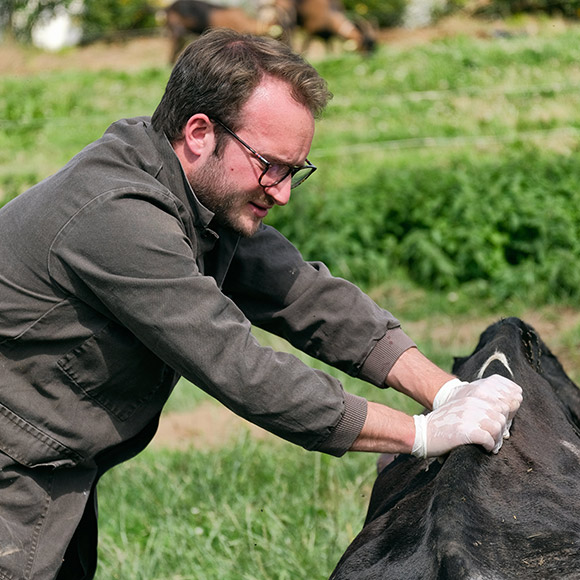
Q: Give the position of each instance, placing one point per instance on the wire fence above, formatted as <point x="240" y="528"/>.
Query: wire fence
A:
<point x="423" y="142"/>
<point x="446" y="142"/>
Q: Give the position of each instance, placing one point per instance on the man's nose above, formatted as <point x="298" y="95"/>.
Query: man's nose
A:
<point x="281" y="192"/>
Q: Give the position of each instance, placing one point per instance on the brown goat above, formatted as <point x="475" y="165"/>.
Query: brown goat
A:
<point x="326" y="19"/>
<point x="186" y="17"/>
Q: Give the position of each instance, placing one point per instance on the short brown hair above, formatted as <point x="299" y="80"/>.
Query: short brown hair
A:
<point x="217" y="73"/>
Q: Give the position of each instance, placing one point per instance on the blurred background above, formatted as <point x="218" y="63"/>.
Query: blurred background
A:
<point x="447" y="189"/>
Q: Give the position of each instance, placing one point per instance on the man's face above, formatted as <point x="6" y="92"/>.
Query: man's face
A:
<point x="280" y="130"/>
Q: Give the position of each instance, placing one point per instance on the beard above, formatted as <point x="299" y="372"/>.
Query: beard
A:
<point x="229" y="205"/>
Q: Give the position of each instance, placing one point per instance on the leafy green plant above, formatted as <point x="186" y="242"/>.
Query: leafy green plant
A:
<point x="504" y="8"/>
<point x="103" y="18"/>
<point x="383" y="13"/>
<point x="46" y="119"/>
<point x="511" y="225"/>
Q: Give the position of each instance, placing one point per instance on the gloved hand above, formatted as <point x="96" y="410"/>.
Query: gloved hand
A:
<point x="495" y="389"/>
<point x="461" y="421"/>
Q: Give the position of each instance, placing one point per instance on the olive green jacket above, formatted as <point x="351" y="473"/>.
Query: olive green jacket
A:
<point x="114" y="282"/>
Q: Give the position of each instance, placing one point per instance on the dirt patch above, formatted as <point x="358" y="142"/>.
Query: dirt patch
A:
<point x="132" y="55"/>
<point x="208" y="426"/>
<point x="557" y="327"/>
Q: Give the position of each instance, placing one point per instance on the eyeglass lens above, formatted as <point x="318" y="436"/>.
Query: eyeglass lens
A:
<point x="277" y="173"/>
<point x="274" y="173"/>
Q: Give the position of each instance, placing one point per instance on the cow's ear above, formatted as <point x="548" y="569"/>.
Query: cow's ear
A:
<point x="458" y="363"/>
<point x="567" y="391"/>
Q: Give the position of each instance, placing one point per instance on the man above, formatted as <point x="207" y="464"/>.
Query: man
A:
<point x="145" y="259"/>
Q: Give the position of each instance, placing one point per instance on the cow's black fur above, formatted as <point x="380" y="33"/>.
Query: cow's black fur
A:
<point x="478" y="516"/>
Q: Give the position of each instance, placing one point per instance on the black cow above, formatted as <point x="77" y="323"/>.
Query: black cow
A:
<point x="478" y="516"/>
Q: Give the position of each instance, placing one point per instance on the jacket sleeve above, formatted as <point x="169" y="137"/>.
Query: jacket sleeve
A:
<point x="129" y="256"/>
<point x="327" y="317"/>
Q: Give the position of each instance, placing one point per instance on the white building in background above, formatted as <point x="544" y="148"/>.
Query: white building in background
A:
<point x="419" y="13"/>
<point x="55" y="30"/>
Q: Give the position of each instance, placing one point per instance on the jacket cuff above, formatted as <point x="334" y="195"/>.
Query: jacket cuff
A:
<point x="382" y="358"/>
<point x="348" y="428"/>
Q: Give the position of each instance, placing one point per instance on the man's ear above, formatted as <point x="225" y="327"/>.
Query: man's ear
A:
<point x="199" y="135"/>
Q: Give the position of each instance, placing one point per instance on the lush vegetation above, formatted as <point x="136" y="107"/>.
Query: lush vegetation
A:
<point x="104" y="18"/>
<point x="382" y="13"/>
<point x="453" y="164"/>
<point x="456" y="162"/>
<point x="97" y="18"/>
<point x="246" y="512"/>
<point x="447" y="187"/>
<point x="505" y="8"/>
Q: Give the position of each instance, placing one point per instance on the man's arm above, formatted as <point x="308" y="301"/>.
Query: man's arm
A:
<point x="417" y="377"/>
<point x="465" y="420"/>
<point x="333" y="321"/>
<point x="385" y="430"/>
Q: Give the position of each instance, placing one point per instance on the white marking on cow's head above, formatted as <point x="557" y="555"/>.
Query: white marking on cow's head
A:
<point x="499" y="356"/>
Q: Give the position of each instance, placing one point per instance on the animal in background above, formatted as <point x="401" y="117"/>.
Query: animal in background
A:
<point x="327" y="19"/>
<point x="187" y="17"/>
<point x="282" y="16"/>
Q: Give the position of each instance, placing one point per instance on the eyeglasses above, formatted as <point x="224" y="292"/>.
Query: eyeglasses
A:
<point x="275" y="173"/>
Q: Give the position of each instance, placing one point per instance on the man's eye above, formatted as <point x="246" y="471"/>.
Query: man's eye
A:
<point x="278" y="169"/>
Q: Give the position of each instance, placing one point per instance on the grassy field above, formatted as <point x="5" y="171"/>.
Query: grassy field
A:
<point x="437" y="140"/>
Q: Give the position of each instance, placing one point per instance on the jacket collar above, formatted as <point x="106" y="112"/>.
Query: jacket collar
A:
<point x="169" y="172"/>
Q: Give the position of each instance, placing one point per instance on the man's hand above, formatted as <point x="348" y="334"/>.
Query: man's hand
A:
<point x="504" y="394"/>
<point x="479" y="412"/>
<point x="461" y="421"/>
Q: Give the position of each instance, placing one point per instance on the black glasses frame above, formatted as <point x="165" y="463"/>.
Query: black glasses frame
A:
<point x="290" y="170"/>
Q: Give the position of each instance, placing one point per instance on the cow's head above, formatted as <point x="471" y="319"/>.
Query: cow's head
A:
<point x="473" y="514"/>
<point x="512" y="348"/>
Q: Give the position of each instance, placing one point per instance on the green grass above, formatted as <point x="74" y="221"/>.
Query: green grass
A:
<point x="46" y="119"/>
<point x="248" y="511"/>
<point x="447" y="187"/>
<point x="455" y="163"/>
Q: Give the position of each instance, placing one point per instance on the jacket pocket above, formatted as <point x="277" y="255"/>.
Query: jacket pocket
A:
<point x="30" y="446"/>
<point x="115" y="370"/>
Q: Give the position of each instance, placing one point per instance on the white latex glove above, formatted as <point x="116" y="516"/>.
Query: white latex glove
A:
<point x="464" y="420"/>
<point x="500" y="391"/>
